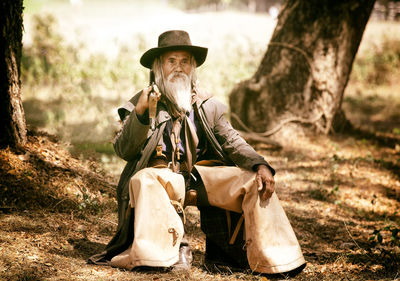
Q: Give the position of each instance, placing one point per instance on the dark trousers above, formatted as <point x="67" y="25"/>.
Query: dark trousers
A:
<point x="214" y="223"/>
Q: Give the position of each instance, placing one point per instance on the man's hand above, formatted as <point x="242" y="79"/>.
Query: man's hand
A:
<point x="143" y="102"/>
<point x="265" y="182"/>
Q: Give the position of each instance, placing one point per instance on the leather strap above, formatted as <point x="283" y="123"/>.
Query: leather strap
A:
<point x="191" y="142"/>
<point x="237" y="228"/>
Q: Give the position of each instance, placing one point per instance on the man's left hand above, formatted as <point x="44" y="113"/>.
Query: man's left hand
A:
<point x="265" y="182"/>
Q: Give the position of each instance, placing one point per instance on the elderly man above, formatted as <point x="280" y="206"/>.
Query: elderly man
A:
<point x="186" y="152"/>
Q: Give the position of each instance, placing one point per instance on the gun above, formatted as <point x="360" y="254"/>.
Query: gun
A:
<point x="154" y="96"/>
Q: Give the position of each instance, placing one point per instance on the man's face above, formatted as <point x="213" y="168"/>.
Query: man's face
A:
<point x="176" y="61"/>
<point x="177" y="71"/>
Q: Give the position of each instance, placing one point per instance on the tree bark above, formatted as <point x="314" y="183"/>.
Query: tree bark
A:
<point x="304" y="72"/>
<point x="12" y="126"/>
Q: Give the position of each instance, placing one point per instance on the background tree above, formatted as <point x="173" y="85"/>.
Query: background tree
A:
<point x="12" y="118"/>
<point x="305" y="70"/>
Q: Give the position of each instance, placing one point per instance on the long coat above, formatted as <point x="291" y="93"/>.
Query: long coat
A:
<point x="135" y="143"/>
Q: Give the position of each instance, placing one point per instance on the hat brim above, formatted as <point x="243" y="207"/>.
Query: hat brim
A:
<point x="199" y="54"/>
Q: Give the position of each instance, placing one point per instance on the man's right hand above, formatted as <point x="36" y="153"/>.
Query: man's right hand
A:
<point x="143" y="102"/>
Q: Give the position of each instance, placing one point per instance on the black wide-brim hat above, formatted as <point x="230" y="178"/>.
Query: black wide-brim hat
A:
<point x="171" y="41"/>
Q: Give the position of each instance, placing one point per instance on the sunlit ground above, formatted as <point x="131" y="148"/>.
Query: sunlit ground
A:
<point x="335" y="190"/>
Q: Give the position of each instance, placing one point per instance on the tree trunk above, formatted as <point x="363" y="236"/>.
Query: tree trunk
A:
<point x="302" y="77"/>
<point x="12" y="126"/>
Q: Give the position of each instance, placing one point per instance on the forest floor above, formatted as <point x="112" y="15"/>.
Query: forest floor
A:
<point x="56" y="211"/>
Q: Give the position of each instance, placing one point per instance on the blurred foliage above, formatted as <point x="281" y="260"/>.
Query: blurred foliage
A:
<point x="371" y="101"/>
<point x="377" y="66"/>
<point x="387" y="9"/>
<point x="193" y="4"/>
<point x="251" y="5"/>
<point x="238" y="60"/>
<point x="47" y="60"/>
<point x="73" y="93"/>
<point x="70" y="93"/>
<point x="50" y="60"/>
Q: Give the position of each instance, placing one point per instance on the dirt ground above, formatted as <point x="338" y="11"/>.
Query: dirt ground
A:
<point x="56" y="211"/>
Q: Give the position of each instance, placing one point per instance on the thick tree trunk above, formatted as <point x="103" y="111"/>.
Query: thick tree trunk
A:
<point x="302" y="77"/>
<point x="12" y="117"/>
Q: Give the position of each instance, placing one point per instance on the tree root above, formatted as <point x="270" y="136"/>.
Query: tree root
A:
<point x="262" y="136"/>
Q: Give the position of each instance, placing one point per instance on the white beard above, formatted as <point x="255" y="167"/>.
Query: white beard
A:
<point x="179" y="91"/>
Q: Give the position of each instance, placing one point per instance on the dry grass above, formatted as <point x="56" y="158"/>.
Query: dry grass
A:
<point x="335" y="190"/>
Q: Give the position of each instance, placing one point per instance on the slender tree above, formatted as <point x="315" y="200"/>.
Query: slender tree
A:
<point x="304" y="72"/>
<point x="12" y="117"/>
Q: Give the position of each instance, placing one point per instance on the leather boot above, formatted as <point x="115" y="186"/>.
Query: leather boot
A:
<point x="185" y="259"/>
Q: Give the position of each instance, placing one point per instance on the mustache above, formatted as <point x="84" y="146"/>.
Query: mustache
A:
<point x="177" y="75"/>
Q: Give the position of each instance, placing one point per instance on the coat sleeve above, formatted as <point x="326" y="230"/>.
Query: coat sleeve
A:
<point x="129" y="141"/>
<point x="238" y="150"/>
